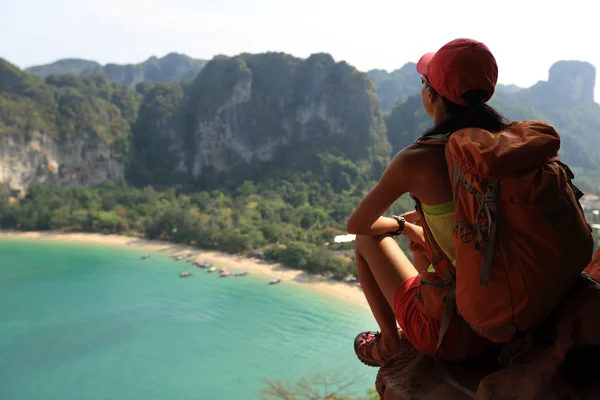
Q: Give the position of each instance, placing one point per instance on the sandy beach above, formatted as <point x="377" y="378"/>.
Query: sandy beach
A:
<point x="344" y="291"/>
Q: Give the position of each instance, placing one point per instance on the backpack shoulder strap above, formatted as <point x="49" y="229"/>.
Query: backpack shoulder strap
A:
<point x="434" y="140"/>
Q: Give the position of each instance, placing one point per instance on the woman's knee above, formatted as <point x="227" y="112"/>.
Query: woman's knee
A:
<point x="364" y="241"/>
<point x="360" y="241"/>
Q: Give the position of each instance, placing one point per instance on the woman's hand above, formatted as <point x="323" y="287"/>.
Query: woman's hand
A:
<point x="415" y="234"/>
<point x="412" y="216"/>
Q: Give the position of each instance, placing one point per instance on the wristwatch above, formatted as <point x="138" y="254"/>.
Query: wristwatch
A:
<point x="401" y="223"/>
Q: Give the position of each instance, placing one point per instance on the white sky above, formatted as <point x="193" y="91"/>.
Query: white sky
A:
<point x="527" y="36"/>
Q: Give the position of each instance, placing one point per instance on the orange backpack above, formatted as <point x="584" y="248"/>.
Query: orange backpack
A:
<point x="521" y="237"/>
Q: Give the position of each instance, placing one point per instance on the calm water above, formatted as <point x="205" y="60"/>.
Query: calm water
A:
<point x="82" y="322"/>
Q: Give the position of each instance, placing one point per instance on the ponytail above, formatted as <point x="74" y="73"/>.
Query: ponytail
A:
<point x="475" y="115"/>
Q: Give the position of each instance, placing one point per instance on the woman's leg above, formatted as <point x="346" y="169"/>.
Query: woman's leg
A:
<point x="382" y="267"/>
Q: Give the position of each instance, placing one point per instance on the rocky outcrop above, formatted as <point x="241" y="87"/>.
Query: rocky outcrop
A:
<point x="558" y="365"/>
<point x="239" y="110"/>
<point x="255" y="113"/>
<point x="86" y="159"/>
<point x="245" y="108"/>
<point x="570" y="83"/>
<point x="573" y="80"/>
<point x="66" y="134"/>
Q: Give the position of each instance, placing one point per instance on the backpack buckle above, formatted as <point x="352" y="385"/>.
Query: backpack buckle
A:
<point x="489" y="200"/>
<point x="449" y="280"/>
<point x="491" y="192"/>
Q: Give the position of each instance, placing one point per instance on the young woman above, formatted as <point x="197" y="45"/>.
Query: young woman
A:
<point x="457" y="81"/>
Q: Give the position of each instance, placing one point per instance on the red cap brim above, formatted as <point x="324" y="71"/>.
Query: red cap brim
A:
<point x="423" y="62"/>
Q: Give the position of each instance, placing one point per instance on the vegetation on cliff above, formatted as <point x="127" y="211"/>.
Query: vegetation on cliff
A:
<point x="260" y="117"/>
<point x="67" y="106"/>
<point x="171" y="68"/>
<point x="157" y="137"/>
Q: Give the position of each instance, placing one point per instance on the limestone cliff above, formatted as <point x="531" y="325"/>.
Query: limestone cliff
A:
<point x="245" y="108"/>
<point x="249" y="109"/>
<point x="239" y="111"/>
<point x="252" y="116"/>
<point x="86" y="159"/>
<point x="569" y="83"/>
<point x="64" y="135"/>
<point x="575" y="80"/>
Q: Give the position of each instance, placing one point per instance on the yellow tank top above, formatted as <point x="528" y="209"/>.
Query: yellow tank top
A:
<point x="441" y="220"/>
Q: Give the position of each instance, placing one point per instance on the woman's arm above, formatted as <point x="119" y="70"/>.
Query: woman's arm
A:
<point x="381" y="226"/>
<point x="396" y="180"/>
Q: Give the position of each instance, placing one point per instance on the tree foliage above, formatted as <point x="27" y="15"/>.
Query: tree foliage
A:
<point x="289" y="222"/>
<point x="318" y="387"/>
<point x="68" y="106"/>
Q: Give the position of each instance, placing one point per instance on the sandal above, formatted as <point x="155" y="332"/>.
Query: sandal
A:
<point x="363" y="347"/>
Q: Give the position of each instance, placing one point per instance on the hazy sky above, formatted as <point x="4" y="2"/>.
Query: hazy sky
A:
<point x="527" y="36"/>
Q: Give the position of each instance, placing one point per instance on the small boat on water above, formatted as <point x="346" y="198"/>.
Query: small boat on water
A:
<point x="274" y="281"/>
<point x="179" y="258"/>
<point x="225" y="273"/>
<point x="185" y="274"/>
<point x="145" y="256"/>
<point x="241" y="273"/>
<point x="211" y="269"/>
<point x="202" y="264"/>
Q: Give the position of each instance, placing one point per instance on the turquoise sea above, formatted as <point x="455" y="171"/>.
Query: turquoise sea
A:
<point x="83" y="322"/>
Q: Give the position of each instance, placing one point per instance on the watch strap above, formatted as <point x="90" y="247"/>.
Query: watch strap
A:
<point x="401" y="224"/>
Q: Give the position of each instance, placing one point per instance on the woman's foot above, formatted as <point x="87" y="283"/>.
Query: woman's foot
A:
<point x="370" y="349"/>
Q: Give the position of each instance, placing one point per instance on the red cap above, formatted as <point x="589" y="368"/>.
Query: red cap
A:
<point x="459" y="66"/>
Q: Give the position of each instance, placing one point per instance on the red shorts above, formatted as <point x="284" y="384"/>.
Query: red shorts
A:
<point x="421" y="330"/>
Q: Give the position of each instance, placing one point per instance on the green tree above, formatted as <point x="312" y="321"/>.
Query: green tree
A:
<point x="317" y="387"/>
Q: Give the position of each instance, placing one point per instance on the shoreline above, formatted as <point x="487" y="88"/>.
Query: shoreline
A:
<point x="344" y="291"/>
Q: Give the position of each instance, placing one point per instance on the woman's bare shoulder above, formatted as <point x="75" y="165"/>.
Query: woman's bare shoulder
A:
<point x="420" y="155"/>
<point x="423" y="171"/>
